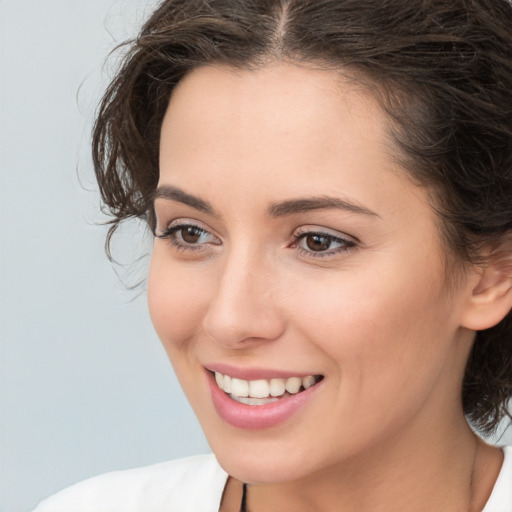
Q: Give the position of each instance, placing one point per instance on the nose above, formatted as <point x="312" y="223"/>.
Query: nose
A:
<point x="244" y="308"/>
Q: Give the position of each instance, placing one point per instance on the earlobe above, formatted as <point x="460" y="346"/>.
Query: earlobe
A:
<point x="491" y="298"/>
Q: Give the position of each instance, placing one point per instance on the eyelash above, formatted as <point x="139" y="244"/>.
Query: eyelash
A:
<point x="171" y="232"/>
<point x="345" y="244"/>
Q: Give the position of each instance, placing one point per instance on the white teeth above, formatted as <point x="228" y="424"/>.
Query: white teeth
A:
<point x="258" y="388"/>
<point x="239" y="387"/>
<point x="253" y="401"/>
<point x="277" y="387"/>
<point x="227" y="383"/>
<point x="262" y="391"/>
<point x="293" y="385"/>
<point x="308" y="381"/>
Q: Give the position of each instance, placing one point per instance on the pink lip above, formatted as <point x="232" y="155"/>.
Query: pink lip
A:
<point x="254" y="417"/>
<point x="252" y="373"/>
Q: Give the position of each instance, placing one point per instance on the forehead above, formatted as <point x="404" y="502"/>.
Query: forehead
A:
<point x="278" y="118"/>
<point x="290" y="82"/>
<point x="279" y="97"/>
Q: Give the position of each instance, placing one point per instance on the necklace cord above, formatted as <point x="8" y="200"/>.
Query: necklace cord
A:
<point x="243" y="503"/>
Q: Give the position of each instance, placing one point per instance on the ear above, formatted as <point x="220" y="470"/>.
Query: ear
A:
<point x="491" y="294"/>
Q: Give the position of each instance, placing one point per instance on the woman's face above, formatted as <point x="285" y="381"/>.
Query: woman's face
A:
<point x="295" y="252"/>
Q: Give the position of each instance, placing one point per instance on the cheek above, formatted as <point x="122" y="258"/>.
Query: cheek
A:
<point x="176" y="300"/>
<point x="378" y="331"/>
<point x="385" y="345"/>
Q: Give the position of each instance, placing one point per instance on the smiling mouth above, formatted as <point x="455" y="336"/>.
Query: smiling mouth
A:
<point x="264" y="391"/>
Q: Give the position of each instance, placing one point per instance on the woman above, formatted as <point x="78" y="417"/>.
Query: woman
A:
<point x="330" y="188"/>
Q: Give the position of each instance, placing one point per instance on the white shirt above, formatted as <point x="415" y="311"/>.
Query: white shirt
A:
<point x="501" y="496"/>
<point x="193" y="484"/>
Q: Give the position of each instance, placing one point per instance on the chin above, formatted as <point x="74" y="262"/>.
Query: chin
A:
<point x="260" y="469"/>
<point x="264" y="459"/>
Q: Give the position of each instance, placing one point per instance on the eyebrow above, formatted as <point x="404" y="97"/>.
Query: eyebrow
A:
<point x="278" y="209"/>
<point x="175" y="194"/>
<point x="302" y="205"/>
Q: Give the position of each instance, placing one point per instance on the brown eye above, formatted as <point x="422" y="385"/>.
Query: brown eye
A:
<point x="191" y="234"/>
<point x="316" y="242"/>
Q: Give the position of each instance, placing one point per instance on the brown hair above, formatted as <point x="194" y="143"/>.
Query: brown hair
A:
<point x="442" y="71"/>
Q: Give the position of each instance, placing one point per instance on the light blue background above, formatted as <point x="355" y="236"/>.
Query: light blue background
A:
<point x="84" y="385"/>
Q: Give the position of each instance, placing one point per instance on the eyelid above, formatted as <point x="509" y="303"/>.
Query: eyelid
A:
<point x="186" y="221"/>
<point x="173" y="227"/>
<point x="347" y="243"/>
<point x="319" y="230"/>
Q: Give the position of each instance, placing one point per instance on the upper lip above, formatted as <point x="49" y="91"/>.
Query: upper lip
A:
<point x="254" y="373"/>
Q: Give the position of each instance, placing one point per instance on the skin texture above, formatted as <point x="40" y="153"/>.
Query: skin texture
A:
<point x="374" y="316"/>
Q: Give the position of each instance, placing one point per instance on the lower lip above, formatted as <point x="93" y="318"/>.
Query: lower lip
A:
<point x="254" y="417"/>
